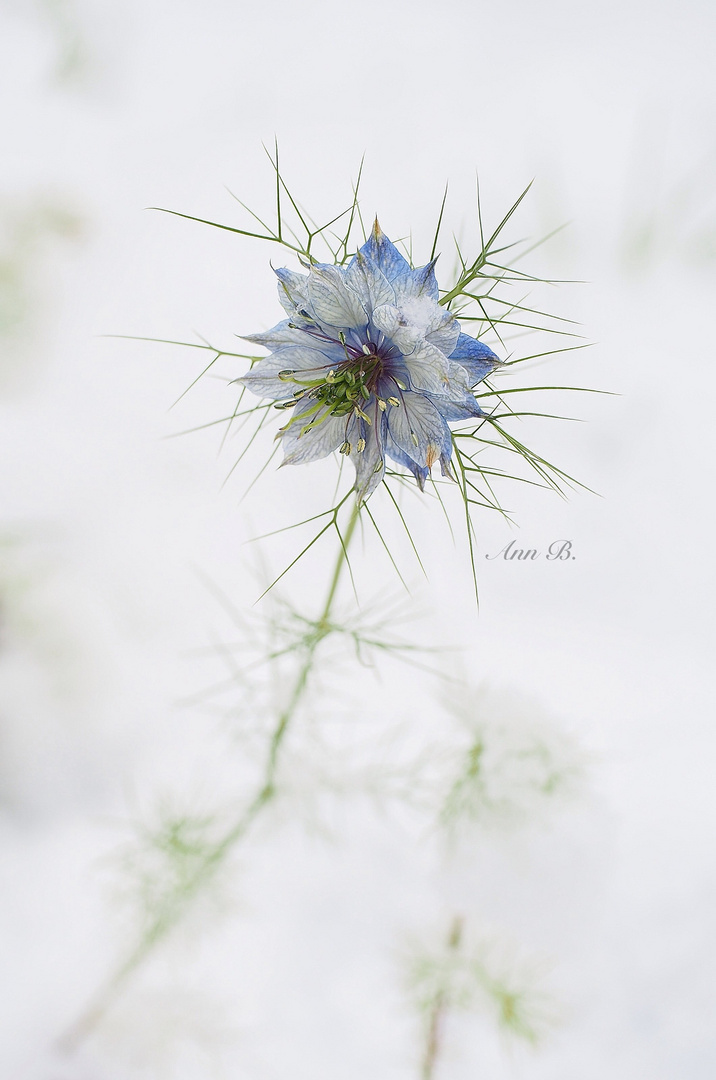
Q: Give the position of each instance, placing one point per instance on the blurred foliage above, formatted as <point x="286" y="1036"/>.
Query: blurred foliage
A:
<point x="71" y="48"/>
<point x="514" y="764"/>
<point x="670" y="214"/>
<point x="30" y="227"/>
<point x="463" y="975"/>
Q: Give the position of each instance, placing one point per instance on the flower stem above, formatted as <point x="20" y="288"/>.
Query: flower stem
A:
<point x="436" y="1015"/>
<point x="165" y="921"/>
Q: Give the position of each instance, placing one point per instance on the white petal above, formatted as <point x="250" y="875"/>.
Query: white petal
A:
<point x="386" y="317"/>
<point x="459" y="381"/>
<point x="331" y="301"/>
<point x="369" y="283"/>
<point x="445" y="335"/>
<point x="428" y="368"/>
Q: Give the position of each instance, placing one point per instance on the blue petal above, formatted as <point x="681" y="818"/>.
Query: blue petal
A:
<point x="475" y="357"/>
<point x="418" y="282"/>
<point x="370" y="464"/>
<point x="419" y="430"/>
<point x="278" y="336"/>
<point x="263" y="378"/>
<point x="384" y="254"/>
<point x="293" y="293"/>
<point x="318" y="442"/>
<point x="464" y="409"/>
<point x="458" y="403"/>
<point x="394" y="451"/>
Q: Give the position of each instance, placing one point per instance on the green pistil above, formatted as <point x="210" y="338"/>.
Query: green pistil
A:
<point x="341" y="391"/>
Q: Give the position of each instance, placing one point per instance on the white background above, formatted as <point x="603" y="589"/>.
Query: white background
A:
<point x="109" y="109"/>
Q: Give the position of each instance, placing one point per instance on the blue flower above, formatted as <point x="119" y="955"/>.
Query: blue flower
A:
<point x="370" y="364"/>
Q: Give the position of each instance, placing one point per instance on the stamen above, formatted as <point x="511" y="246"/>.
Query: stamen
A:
<point x="367" y="350"/>
<point x="362" y="415"/>
<point x="346" y="448"/>
<point x="378" y="466"/>
<point x="285" y="404"/>
<point x="331" y="376"/>
<point x="400" y="383"/>
<point x="414" y="437"/>
<point x="381" y="404"/>
<point x="394" y="402"/>
<point x="360" y="446"/>
<point x="286" y="374"/>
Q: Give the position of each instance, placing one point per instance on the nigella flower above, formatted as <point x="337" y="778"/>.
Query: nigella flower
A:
<point x="371" y="365"/>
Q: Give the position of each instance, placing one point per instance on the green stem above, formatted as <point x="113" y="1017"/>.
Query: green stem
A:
<point x="166" y="921"/>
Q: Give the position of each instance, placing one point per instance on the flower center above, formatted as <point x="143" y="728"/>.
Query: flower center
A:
<point x="349" y="385"/>
<point x="344" y="388"/>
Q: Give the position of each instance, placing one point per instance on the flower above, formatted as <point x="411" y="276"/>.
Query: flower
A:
<point x="371" y="365"/>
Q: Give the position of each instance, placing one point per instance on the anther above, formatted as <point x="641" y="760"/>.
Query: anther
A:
<point x="401" y="384"/>
<point x="285" y="404"/>
<point x="360" y="446"/>
<point x="381" y="405"/>
<point x="367" y="350"/>
<point x="331" y="376"/>
<point x="346" y="448"/>
<point x="286" y="374"/>
<point x="394" y="402"/>
<point x="414" y="437"/>
<point x="363" y="416"/>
